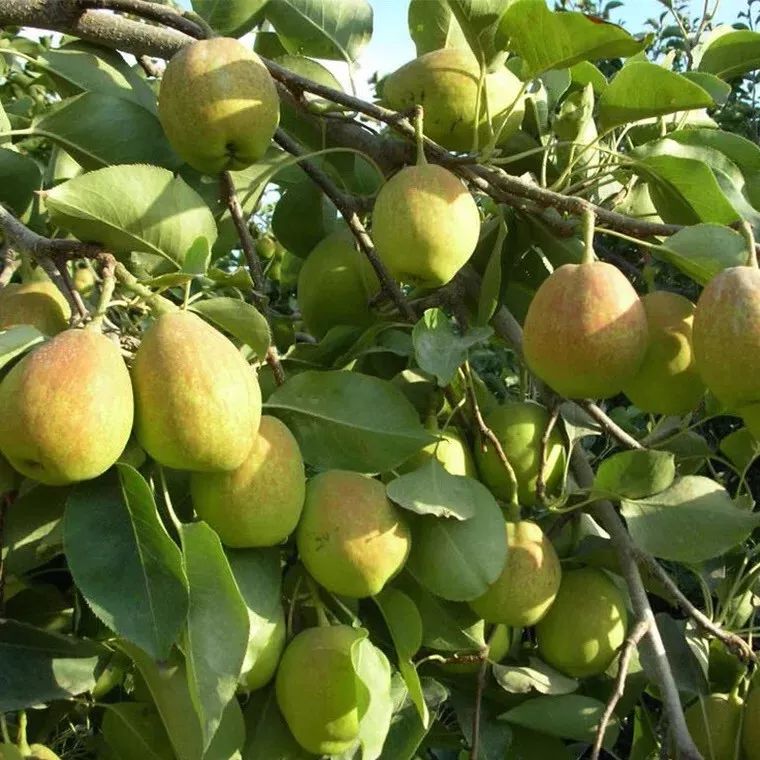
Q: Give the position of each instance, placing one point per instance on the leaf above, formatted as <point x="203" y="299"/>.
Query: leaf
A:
<point x="302" y="218"/>
<point x="718" y="89"/>
<point x="333" y="29"/>
<point x="569" y="716"/>
<point x="133" y="208"/>
<point x="475" y="552"/>
<point x="732" y="55"/>
<point x="641" y="90"/>
<point x="214" y="652"/>
<point x="741" y="447"/>
<point x="349" y="421"/>
<point x="134" y="731"/>
<point x="373" y="674"/>
<point x="432" y="26"/>
<point x="38" y="666"/>
<point x="267" y="734"/>
<point x="17" y="340"/>
<point x="123" y="561"/>
<point x="635" y="474"/>
<point x="477" y="20"/>
<point x="239" y="319"/>
<point x="692" y="521"/>
<point x="547" y="39"/>
<point x="536" y="676"/>
<point x="20" y="178"/>
<point x="440" y="350"/>
<point x="229" y="17"/>
<point x="99" y="130"/>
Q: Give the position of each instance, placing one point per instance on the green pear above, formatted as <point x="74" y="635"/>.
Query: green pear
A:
<point x="667" y="381"/>
<point x="445" y="83"/>
<point x="259" y="503"/>
<point x="529" y="582"/>
<point x="585" y="626"/>
<point x="218" y="105"/>
<point x="263" y="654"/>
<point x="714" y="723"/>
<point x="38" y="303"/>
<point x="84" y="280"/>
<point x="425" y="225"/>
<point x="585" y="332"/>
<point x="751" y="726"/>
<point x="67" y="409"/>
<point x="335" y="285"/>
<point x="519" y="427"/>
<point x="450" y="450"/>
<point x="351" y="539"/>
<point x="197" y="402"/>
<point x="317" y="690"/>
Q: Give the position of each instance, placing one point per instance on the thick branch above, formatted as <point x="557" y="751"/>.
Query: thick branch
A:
<point x="161" y="14"/>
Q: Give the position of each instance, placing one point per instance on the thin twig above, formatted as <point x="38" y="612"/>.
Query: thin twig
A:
<point x="479" y="689"/>
<point x="612" y="428"/>
<point x="273" y="360"/>
<point x="544" y="445"/>
<point x="67" y="286"/>
<point x="107" y="287"/>
<point x="11" y="263"/>
<point x="149" y="66"/>
<point x="624" y="662"/>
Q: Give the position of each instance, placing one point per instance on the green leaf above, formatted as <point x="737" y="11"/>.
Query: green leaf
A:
<point x="37" y="666"/>
<point x="112" y="531"/>
<point x="584" y="73"/>
<point x="477" y="20"/>
<point x="635" y="474"/>
<point x="101" y="130"/>
<point x="475" y="552"/>
<point x="239" y="319"/>
<point x="741" y="447"/>
<point x="349" y="421"/>
<point x="718" y="89"/>
<point x="432" y="26"/>
<point x="547" y="39"/>
<point x="228" y="17"/>
<point x="373" y="672"/>
<point x="20" y="178"/>
<point x="732" y="55"/>
<point x="432" y="490"/>
<point x="302" y="218"/>
<point x="215" y="652"/>
<point x="569" y="716"/>
<point x="134" y="731"/>
<point x="267" y="734"/>
<point x="197" y="258"/>
<point x="440" y="350"/>
<point x="536" y="676"/>
<point x="333" y="29"/>
<point x="133" y="208"/>
<point x="641" y="90"/>
<point x="18" y="340"/>
<point x="692" y="521"/>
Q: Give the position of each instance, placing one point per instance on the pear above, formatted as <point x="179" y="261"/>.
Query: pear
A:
<point x="351" y="538"/>
<point x="263" y="655"/>
<point x="260" y="502"/>
<point x="218" y="105"/>
<point x="335" y="285"/>
<point x="667" y="381"/>
<point x="84" y="280"/>
<point x="67" y="409"/>
<point x="41" y="752"/>
<point x="38" y="303"/>
<point x="519" y="427"/>
<point x="197" y="402"/>
<point x="585" y="626"/>
<point x="450" y="450"/>
<point x="529" y="582"/>
<point x="727" y="336"/>
<point x="585" y="332"/>
<point x="425" y="225"/>
<point x="445" y="83"/>
<point x="751" y="726"/>
<point x="317" y="691"/>
<point x="714" y="723"/>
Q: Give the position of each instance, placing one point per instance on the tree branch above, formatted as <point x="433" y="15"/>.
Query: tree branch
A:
<point x="610" y="426"/>
<point x="161" y="14"/>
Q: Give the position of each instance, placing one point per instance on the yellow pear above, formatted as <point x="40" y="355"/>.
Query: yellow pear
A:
<point x="519" y="427"/>
<point x="586" y="625"/>
<point x="751" y="726"/>
<point x="38" y="303"/>
<point x="714" y="723"/>
<point x="260" y="502"/>
<point x="445" y="83"/>
<point x="263" y="654"/>
<point x="425" y="225"/>
<point x="218" y="105"/>
<point x="317" y="690"/>
<point x="335" y="285"/>
<point x="529" y="582"/>
<point x="450" y="450"/>
<point x="197" y="402"/>
<point x="351" y="539"/>
<point x="667" y="381"/>
<point x="66" y="409"/>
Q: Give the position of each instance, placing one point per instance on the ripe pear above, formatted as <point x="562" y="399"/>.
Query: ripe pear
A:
<point x="263" y="655"/>
<point x="351" y="538"/>
<point x="197" y="402"/>
<point x="586" y="331"/>
<point x="751" y="726"/>
<point x="260" y="502"/>
<point x="585" y="626"/>
<point x="450" y="450"/>
<point x="714" y="723"/>
<point x="67" y="409"/>
<point x="425" y="225"/>
<point x="529" y="582"/>
<point x="445" y="83"/>
<point x="218" y="105"/>
<point x="335" y="285"/>
<point x="38" y="303"/>
<point x="519" y="427"/>
<point x="317" y="691"/>
<point x="727" y="336"/>
<point x="667" y="381"/>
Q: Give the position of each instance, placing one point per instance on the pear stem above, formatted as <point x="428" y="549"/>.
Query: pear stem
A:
<point x="749" y="236"/>
<point x="318" y="603"/>
<point x="589" y="222"/>
<point x="158" y="304"/>
<point x="21" y="740"/>
<point x="107" y="287"/>
<point x="4" y="730"/>
<point x="419" y="134"/>
<point x="168" y="500"/>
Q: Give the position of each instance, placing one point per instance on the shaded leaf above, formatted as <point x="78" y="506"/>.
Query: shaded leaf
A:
<point x="635" y="474"/>
<point x="134" y="731"/>
<point x="229" y="17"/>
<point x="239" y="319"/>
<point x="536" y="676"/>
<point x="20" y="178"/>
<point x="432" y="26"/>
<point x="267" y="734"/>
<point x="17" y="340"/>
<point x="373" y="673"/>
